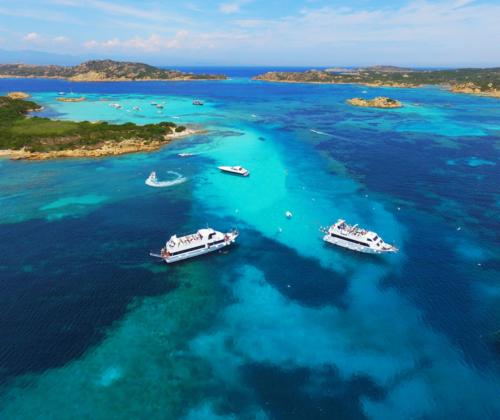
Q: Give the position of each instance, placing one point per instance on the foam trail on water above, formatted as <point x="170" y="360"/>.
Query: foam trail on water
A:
<point x="162" y="184"/>
<point x="321" y="133"/>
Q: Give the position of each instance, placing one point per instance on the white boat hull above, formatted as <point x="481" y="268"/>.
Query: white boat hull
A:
<point x="197" y="252"/>
<point x="352" y="246"/>
<point x="232" y="171"/>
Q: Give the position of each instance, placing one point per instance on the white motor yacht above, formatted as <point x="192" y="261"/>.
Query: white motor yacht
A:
<point x="235" y="170"/>
<point x="202" y="242"/>
<point x="356" y="239"/>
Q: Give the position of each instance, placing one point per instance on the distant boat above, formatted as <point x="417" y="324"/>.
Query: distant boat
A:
<point x="159" y="106"/>
<point x="186" y="154"/>
<point x="202" y="242"/>
<point x="288" y="214"/>
<point x="136" y="108"/>
<point x="198" y="102"/>
<point x="236" y="170"/>
<point x="356" y="239"/>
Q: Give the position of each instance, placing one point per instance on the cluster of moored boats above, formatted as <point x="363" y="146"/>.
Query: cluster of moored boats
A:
<point x="208" y="240"/>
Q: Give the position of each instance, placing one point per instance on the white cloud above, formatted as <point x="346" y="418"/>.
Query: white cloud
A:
<point x="229" y="8"/>
<point x="137" y="13"/>
<point x="31" y="37"/>
<point x="434" y="32"/>
<point x="154" y="43"/>
<point x="232" y="7"/>
<point x="60" y="39"/>
<point x="193" y="7"/>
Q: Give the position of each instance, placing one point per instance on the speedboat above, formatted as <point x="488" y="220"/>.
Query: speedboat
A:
<point x="198" y="102"/>
<point x="235" y="170"/>
<point x="202" y="242"/>
<point x="152" y="179"/>
<point x="356" y="239"/>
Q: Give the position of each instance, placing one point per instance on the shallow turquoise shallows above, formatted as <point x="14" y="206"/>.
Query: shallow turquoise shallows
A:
<point x="281" y="326"/>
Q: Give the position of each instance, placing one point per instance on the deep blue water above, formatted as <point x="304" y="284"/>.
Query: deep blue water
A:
<point x="282" y="326"/>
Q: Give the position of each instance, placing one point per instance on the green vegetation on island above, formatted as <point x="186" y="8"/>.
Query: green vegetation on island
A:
<point x="470" y="80"/>
<point x="101" y="71"/>
<point x="378" y="102"/>
<point x="31" y="134"/>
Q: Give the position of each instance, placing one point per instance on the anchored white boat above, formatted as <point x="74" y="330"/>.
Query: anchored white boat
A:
<point x="199" y="243"/>
<point x="236" y="170"/>
<point x="198" y="102"/>
<point x="355" y="238"/>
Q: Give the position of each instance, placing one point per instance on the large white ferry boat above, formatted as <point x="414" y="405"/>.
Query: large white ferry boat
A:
<point x="235" y="170"/>
<point x="199" y="243"/>
<point x="355" y="238"/>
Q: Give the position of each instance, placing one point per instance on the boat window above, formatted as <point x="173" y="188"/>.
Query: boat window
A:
<point x="376" y="237"/>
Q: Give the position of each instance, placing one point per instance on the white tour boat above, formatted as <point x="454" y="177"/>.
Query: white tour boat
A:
<point x="236" y="170"/>
<point x="199" y="243"/>
<point x="355" y="238"/>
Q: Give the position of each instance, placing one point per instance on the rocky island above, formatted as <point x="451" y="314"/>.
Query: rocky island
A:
<point x="378" y="102"/>
<point x="79" y="99"/>
<point x="475" y="81"/>
<point x="30" y="137"/>
<point x="102" y="71"/>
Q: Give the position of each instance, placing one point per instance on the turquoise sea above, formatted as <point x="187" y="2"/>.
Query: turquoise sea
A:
<point x="282" y="326"/>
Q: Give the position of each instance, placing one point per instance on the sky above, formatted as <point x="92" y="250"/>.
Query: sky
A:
<point x="255" y="32"/>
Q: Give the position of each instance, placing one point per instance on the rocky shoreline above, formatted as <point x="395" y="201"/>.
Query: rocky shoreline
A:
<point x="102" y="71"/>
<point x="480" y="82"/>
<point x="107" y="148"/>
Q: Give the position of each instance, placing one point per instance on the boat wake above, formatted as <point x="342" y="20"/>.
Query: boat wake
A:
<point x="153" y="181"/>
<point x="321" y="133"/>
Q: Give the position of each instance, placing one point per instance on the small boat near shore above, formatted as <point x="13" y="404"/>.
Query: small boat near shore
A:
<point x="202" y="242"/>
<point x="356" y="239"/>
<point x="198" y="102"/>
<point x="235" y="170"/>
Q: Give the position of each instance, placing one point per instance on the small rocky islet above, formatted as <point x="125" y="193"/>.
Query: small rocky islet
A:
<point x="378" y="102"/>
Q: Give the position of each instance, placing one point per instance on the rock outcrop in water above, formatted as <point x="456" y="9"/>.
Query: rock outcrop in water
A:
<point x="378" y="102"/>
<point x="71" y="99"/>
<point x="102" y="71"/>
<point x="18" y="95"/>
